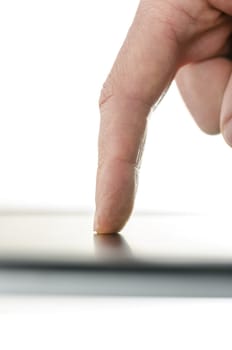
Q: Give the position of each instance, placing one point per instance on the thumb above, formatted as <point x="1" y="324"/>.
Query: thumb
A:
<point x="146" y="64"/>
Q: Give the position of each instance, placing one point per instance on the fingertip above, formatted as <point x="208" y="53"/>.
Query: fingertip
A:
<point x="108" y="224"/>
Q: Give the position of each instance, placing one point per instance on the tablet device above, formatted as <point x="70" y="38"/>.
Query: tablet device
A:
<point x="157" y="254"/>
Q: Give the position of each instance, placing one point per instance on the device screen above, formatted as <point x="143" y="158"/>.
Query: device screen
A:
<point x="148" y="238"/>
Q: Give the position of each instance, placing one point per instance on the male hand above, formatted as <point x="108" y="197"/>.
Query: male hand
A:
<point x="186" y="39"/>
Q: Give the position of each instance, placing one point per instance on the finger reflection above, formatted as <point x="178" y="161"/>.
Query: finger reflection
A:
<point x="112" y="247"/>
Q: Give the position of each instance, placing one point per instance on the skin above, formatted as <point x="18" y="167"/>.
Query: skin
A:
<point x="186" y="40"/>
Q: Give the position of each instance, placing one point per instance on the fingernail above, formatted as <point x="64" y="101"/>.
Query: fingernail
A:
<point x="227" y="132"/>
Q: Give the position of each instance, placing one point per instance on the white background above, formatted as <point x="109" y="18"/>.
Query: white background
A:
<point x="54" y="58"/>
<point x="115" y="324"/>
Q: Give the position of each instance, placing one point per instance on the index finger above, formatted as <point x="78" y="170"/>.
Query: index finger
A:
<point x="146" y="64"/>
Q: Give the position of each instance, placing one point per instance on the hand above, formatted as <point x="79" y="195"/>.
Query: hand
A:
<point x="183" y="38"/>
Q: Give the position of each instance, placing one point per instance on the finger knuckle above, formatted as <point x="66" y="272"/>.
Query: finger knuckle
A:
<point x="106" y="93"/>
